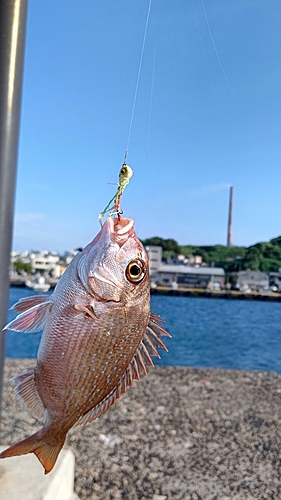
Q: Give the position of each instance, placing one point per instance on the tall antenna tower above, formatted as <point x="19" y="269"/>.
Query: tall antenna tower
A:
<point x="229" y="226"/>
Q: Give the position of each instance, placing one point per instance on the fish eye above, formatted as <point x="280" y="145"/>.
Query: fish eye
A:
<point x="123" y="170"/>
<point x="135" y="271"/>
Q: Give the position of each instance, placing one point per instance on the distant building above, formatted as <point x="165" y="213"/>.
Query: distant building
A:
<point x="253" y="280"/>
<point x="20" y="257"/>
<point x="154" y="258"/>
<point x="45" y="262"/>
<point x="188" y="276"/>
<point x="275" y="279"/>
<point x="68" y="256"/>
<point x="194" y="260"/>
<point x="190" y="260"/>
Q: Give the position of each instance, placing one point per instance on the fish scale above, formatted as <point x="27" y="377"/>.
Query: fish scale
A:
<point x="98" y="335"/>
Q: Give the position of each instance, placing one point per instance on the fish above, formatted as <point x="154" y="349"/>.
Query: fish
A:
<point x="99" y="335"/>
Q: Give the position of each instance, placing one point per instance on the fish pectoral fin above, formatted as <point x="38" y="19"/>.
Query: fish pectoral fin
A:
<point x="87" y="309"/>
<point x="27" y="394"/>
<point x="28" y="302"/>
<point x="32" y="320"/>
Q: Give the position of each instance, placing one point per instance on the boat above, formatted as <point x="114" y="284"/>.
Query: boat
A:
<point x="38" y="284"/>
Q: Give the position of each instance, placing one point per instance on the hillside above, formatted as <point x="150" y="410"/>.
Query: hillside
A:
<point x="263" y="256"/>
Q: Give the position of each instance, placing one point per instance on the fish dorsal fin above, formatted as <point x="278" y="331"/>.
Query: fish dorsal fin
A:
<point x="125" y="381"/>
<point x="32" y="320"/>
<point x="147" y="348"/>
<point x="28" y="302"/>
<point x="154" y="324"/>
<point x="27" y="394"/>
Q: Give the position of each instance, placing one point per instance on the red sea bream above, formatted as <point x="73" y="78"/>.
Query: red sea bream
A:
<point x="98" y="335"/>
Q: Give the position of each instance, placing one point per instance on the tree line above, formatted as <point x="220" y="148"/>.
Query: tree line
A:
<point x="263" y="256"/>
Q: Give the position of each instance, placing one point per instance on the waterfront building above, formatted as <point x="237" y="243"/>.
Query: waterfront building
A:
<point x="19" y="257"/>
<point x="275" y="280"/>
<point x="188" y="276"/>
<point x="154" y="254"/>
<point x="252" y="280"/>
<point x="45" y="262"/>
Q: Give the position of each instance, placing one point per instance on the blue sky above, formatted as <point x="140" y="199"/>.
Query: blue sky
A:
<point x="215" y="120"/>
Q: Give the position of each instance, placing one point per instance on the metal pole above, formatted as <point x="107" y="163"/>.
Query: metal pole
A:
<point x="229" y="226"/>
<point x="13" y="15"/>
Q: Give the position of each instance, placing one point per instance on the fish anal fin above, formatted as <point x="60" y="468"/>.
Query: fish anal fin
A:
<point x="28" y="302"/>
<point x="45" y="451"/>
<point x="32" y="320"/>
<point x="27" y="394"/>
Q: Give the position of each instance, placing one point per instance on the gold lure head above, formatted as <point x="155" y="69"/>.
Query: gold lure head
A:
<point x="125" y="174"/>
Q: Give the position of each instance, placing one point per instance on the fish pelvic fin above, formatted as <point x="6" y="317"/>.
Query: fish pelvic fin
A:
<point x="38" y="444"/>
<point x="27" y="394"/>
<point x="32" y="320"/>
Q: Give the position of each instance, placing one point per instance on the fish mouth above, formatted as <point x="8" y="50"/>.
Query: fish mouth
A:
<point x="121" y="229"/>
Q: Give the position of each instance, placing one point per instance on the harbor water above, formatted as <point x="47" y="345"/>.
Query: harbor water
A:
<point x="205" y="333"/>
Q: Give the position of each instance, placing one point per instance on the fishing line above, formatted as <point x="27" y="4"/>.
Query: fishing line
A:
<point x="150" y="106"/>
<point x="219" y="60"/>
<point x="137" y="83"/>
<point x="206" y="62"/>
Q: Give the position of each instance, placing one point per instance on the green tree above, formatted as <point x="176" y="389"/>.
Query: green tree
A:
<point x="169" y="246"/>
<point x="252" y="258"/>
<point x="263" y="256"/>
<point x="22" y="266"/>
<point x="276" y="241"/>
<point x="155" y="240"/>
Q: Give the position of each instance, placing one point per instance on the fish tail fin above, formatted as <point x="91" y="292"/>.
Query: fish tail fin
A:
<point x="46" y="452"/>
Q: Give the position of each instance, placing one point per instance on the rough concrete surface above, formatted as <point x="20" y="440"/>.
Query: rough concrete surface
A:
<point x="179" y="433"/>
<point x="22" y="478"/>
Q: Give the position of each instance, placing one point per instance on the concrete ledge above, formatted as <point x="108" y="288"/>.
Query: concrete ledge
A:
<point x="23" y="478"/>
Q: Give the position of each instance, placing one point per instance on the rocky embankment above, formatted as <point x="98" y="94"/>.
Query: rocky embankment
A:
<point x="179" y="433"/>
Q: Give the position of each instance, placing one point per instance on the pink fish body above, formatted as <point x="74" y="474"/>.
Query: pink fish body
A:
<point x="98" y="336"/>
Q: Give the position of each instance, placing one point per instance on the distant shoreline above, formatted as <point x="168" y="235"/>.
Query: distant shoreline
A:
<point x="187" y="292"/>
<point x="215" y="294"/>
<point x="19" y="281"/>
